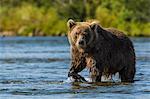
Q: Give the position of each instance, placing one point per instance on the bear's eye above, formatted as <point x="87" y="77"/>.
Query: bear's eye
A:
<point x="84" y="33"/>
<point x="75" y="33"/>
<point x="75" y="36"/>
<point x="83" y="37"/>
<point x="87" y="35"/>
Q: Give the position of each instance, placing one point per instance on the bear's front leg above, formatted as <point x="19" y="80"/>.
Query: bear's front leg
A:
<point x="77" y="65"/>
<point x="95" y="73"/>
<point x="74" y="74"/>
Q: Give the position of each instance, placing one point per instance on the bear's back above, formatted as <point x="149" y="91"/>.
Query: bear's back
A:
<point x="116" y="32"/>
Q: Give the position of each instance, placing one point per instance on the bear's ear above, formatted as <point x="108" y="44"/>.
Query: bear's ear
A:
<point x="93" y="26"/>
<point x="71" y="23"/>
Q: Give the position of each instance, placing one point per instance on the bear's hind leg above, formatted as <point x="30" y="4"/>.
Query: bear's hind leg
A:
<point x="127" y="74"/>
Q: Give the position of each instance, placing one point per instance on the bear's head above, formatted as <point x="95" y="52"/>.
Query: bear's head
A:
<point x="82" y="35"/>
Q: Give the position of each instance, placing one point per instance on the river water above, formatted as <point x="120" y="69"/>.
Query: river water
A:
<point x="36" y="68"/>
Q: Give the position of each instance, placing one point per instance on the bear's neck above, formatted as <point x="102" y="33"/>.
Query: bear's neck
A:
<point x="89" y="52"/>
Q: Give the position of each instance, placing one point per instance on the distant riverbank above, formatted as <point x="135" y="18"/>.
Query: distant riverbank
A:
<point x="49" y="17"/>
<point x="9" y="33"/>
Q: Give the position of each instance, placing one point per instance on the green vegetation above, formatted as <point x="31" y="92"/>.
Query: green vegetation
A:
<point x="49" y="17"/>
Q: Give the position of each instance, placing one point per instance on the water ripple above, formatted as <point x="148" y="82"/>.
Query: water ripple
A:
<point x="37" y="67"/>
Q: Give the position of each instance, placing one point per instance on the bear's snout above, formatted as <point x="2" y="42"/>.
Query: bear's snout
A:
<point x="81" y="43"/>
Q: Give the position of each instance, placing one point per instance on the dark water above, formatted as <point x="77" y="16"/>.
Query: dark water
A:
<point x="36" y="68"/>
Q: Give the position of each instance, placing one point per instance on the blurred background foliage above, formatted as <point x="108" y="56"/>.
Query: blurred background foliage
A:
<point x="49" y="17"/>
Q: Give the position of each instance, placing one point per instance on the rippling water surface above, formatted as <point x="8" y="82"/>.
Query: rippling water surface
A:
<point x="36" y="68"/>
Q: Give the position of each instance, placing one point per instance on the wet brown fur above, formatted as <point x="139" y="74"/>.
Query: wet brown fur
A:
<point x="109" y="52"/>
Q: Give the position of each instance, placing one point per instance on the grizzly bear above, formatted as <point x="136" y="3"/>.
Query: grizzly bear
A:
<point x="104" y="51"/>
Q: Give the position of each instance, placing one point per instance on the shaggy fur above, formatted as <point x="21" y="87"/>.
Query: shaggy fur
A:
<point x="105" y="51"/>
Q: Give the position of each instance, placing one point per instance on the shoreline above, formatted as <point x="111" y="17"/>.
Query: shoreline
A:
<point x="13" y="34"/>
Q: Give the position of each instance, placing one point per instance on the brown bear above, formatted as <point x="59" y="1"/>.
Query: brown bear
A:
<point x="105" y="51"/>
